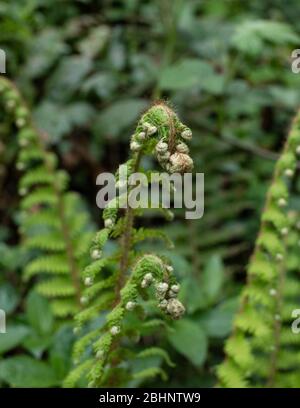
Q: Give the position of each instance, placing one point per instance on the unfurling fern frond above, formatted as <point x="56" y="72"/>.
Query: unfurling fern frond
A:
<point x="53" y="222"/>
<point x="257" y="353"/>
<point x="133" y="287"/>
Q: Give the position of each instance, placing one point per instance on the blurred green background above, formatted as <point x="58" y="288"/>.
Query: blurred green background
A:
<point x="88" y="69"/>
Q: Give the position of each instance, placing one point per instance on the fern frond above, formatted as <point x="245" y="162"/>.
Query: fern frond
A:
<point x="138" y="275"/>
<point x="254" y="354"/>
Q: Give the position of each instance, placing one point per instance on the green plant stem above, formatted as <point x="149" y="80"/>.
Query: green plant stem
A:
<point x="126" y="239"/>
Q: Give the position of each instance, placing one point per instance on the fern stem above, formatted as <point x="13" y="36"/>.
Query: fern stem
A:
<point x="74" y="271"/>
<point x="126" y="238"/>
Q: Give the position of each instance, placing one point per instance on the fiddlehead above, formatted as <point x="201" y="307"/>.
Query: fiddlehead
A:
<point x="123" y="280"/>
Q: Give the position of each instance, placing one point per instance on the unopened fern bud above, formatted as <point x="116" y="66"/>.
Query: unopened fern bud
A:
<point x="149" y="128"/>
<point x="162" y="288"/>
<point x="100" y="354"/>
<point x="181" y="163"/>
<point x="88" y="281"/>
<point x="175" y="308"/>
<point x="10" y="104"/>
<point x="175" y="288"/>
<point x="284" y="231"/>
<point x="135" y="146"/>
<point x="289" y="172"/>
<point x="172" y="294"/>
<point x="115" y="330"/>
<point x="141" y="136"/>
<point x="161" y="147"/>
<point x="152" y="130"/>
<point x="279" y="257"/>
<point x="20" y="122"/>
<point x="163" y="157"/>
<point x="163" y="304"/>
<point x="145" y="284"/>
<point x="23" y="191"/>
<point x="186" y="134"/>
<point x="20" y="166"/>
<point x="83" y="300"/>
<point x="23" y="142"/>
<point x="148" y="277"/>
<point x="298" y="149"/>
<point x="130" y="305"/>
<point x="182" y="148"/>
<point x="273" y="292"/>
<point x="96" y="254"/>
<point x="282" y="202"/>
<point x="108" y="223"/>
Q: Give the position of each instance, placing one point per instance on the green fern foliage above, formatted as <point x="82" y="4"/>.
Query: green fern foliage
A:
<point x="54" y="225"/>
<point x="137" y="291"/>
<point x="262" y="350"/>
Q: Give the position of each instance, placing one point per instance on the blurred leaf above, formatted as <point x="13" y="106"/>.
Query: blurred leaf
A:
<point x="14" y="336"/>
<point x="95" y="41"/>
<point x="192" y="294"/>
<point x="36" y="344"/>
<point x="58" y="120"/>
<point x="9" y="298"/>
<point x="103" y="84"/>
<point x="68" y="76"/>
<point x="25" y="372"/>
<point x="250" y="36"/>
<point x="213" y="277"/>
<point x="218" y="321"/>
<point x="189" y="73"/>
<point x="39" y="313"/>
<point x="61" y="351"/>
<point x="119" y="116"/>
<point x="43" y="52"/>
<point x="188" y="338"/>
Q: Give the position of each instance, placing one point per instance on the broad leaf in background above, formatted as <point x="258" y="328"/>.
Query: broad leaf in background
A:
<point x="190" y="73"/>
<point x="188" y="338"/>
<point x="9" y="298"/>
<point x="68" y="76"/>
<point x="58" y="120"/>
<point x="251" y="36"/>
<point x="44" y="50"/>
<point x="14" y="336"/>
<point x="39" y="314"/>
<point x="61" y="351"/>
<point x="213" y="278"/>
<point x="118" y="117"/>
<point x="218" y="321"/>
<point x="25" y="372"/>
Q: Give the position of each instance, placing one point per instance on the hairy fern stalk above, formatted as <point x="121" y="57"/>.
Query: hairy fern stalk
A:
<point x="136" y="289"/>
<point x="55" y="230"/>
<point x="262" y="350"/>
